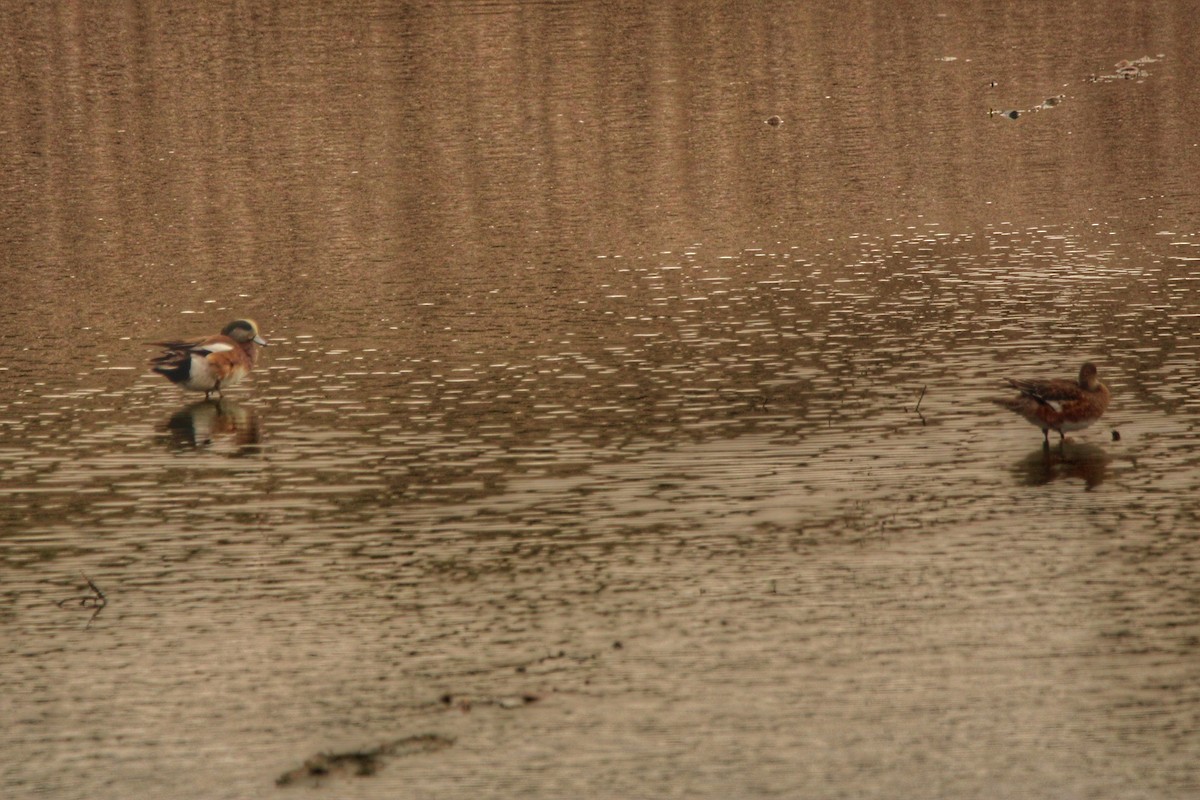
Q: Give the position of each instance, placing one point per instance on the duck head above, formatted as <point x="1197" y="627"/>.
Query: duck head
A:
<point x="244" y="330"/>
<point x="1088" y="378"/>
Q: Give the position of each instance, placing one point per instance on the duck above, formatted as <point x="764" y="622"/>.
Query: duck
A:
<point x="1055" y="404"/>
<point x="212" y="363"/>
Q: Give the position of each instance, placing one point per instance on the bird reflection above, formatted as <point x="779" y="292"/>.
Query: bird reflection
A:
<point x="202" y="424"/>
<point x="1085" y="461"/>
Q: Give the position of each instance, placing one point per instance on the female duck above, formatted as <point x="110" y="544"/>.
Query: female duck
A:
<point x="210" y="364"/>
<point x="1059" y="405"/>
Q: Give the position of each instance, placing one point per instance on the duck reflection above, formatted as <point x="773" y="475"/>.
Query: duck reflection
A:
<point x="202" y="424"/>
<point x="1085" y="461"/>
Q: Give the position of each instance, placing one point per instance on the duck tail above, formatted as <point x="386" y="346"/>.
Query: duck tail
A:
<point x="176" y="367"/>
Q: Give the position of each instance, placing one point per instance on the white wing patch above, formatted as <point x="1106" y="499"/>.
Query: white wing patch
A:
<point x="215" y="347"/>
<point x="1056" y="405"/>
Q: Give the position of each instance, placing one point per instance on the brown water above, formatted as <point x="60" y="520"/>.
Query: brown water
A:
<point x="586" y="459"/>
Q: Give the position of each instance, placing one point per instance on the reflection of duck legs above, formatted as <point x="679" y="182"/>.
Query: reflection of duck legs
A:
<point x="1084" y="461"/>
<point x="201" y="423"/>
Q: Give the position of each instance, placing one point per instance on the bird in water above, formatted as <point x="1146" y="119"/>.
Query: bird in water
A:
<point x="212" y="363"/>
<point x="1059" y="405"/>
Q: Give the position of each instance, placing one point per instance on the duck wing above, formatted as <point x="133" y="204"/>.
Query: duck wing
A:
<point x="182" y="349"/>
<point x="1053" y="392"/>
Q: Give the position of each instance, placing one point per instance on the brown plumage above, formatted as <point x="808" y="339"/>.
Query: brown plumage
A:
<point x="212" y="363"/>
<point x="1059" y="405"/>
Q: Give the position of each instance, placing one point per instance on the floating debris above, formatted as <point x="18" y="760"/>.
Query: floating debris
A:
<point x="509" y="703"/>
<point x="1048" y="103"/>
<point x="1116" y="435"/>
<point x="362" y="763"/>
<point x="774" y="121"/>
<point x="464" y="704"/>
<point x="1127" y="69"/>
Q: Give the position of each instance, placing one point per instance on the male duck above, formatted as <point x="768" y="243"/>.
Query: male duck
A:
<point x="1059" y="405"/>
<point x="210" y="364"/>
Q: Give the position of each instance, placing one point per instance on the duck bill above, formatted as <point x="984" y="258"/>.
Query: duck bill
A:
<point x="259" y="341"/>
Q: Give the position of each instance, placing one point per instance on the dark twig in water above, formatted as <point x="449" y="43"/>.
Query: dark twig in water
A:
<point x="917" y="408"/>
<point x="98" y="600"/>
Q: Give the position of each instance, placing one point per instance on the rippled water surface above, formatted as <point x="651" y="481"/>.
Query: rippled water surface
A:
<point x="625" y="426"/>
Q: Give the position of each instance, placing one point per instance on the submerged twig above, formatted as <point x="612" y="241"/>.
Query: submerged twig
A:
<point x="917" y="408"/>
<point x="97" y="600"/>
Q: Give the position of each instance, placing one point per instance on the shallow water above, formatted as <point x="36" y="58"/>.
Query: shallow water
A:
<point x="610" y="440"/>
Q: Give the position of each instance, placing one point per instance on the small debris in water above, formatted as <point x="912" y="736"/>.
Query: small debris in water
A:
<point x="362" y="762"/>
<point x="1116" y="435"/>
<point x="1048" y="103"/>
<point x="518" y="701"/>
<point x="1127" y="69"/>
<point x="463" y="704"/>
<point x="775" y="121"/>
